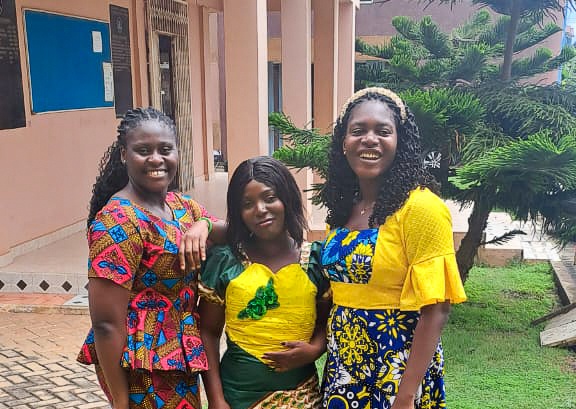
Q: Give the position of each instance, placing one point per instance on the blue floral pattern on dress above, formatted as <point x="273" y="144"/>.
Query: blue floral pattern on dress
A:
<point x="347" y="255"/>
<point x="368" y="349"/>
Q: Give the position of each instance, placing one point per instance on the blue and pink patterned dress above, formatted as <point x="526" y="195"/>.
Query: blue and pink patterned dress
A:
<point x="139" y="251"/>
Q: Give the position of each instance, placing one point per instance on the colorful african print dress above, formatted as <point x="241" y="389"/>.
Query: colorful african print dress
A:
<point x="264" y="309"/>
<point x="380" y="278"/>
<point x="139" y="251"/>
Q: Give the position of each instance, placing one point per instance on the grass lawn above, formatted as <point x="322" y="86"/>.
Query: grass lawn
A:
<point x="493" y="355"/>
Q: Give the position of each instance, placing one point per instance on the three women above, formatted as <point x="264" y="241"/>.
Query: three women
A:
<point x="389" y="258"/>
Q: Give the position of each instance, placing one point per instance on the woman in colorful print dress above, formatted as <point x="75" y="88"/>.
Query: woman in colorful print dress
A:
<point x="267" y="288"/>
<point x="145" y="341"/>
<point x="390" y="260"/>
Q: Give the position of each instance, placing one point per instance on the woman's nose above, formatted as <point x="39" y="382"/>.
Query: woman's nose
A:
<point x="261" y="207"/>
<point x="370" y="138"/>
<point x="155" y="157"/>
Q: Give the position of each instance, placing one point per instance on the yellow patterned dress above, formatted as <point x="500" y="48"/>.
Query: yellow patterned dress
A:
<point x="263" y="309"/>
<point x="380" y="278"/>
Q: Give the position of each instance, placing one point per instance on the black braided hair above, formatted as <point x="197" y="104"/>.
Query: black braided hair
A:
<point x="274" y="174"/>
<point x="113" y="175"/>
<point x="406" y="173"/>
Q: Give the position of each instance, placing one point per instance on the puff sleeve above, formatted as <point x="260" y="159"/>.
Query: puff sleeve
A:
<point x="432" y="275"/>
<point x="221" y="266"/>
<point x="314" y="269"/>
<point x="115" y="246"/>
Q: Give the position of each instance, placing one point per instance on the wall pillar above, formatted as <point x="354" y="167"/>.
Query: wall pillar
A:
<point x="346" y="52"/>
<point x="245" y="48"/>
<point x="296" y="25"/>
<point x="325" y="62"/>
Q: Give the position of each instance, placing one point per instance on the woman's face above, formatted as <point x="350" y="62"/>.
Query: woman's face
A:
<point x="262" y="211"/>
<point x="371" y="139"/>
<point x="151" y="157"/>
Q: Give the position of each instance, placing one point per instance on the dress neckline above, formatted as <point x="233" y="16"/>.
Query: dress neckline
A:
<point x="148" y="213"/>
<point x="247" y="262"/>
<point x="358" y="230"/>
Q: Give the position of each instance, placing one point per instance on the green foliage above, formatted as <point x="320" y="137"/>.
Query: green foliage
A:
<point x="534" y="35"/>
<point x="539" y="163"/>
<point x="305" y="148"/>
<point x="505" y="143"/>
<point x="441" y="112"/>
<point x="435" y="41"/>
<point x="493" y="355"/>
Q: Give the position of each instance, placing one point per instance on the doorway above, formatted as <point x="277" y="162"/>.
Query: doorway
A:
<point x="166" y="75"/>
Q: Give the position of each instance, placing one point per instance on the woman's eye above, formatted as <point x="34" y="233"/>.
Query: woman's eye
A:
<point x="356" y="132"/>
<point x="271" y="199"/>
<point x="166" y="149"/>
<point x="142" y="151"/>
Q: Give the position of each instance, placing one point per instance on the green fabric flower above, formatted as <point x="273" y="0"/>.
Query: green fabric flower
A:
<point x="265" y="299"/>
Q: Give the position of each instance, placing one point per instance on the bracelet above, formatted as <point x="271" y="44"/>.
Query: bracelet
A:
<point x="207" y="220"/>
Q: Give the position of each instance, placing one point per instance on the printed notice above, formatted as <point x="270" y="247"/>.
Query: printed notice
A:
<point x="108" y="82"/>
<point x="96" y="41"/>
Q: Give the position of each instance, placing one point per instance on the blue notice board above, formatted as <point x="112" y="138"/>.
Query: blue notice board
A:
<point x="69" y="62"/>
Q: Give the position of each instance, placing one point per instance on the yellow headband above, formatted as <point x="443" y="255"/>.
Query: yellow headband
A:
<point x="380" y="91"/>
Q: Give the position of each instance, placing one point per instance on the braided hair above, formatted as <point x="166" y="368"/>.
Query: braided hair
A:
<point x="113" y="175"/>
<point x="407" y="171"/>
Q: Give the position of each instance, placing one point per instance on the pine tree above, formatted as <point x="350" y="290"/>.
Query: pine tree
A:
<point x="491" y="139"/>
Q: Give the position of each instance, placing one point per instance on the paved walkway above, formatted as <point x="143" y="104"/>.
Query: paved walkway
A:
<point x="37" y="363"/>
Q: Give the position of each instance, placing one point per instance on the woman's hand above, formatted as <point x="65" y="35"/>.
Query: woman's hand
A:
<point x="297" y="355"/>
<point x="403" y="403"/>
<point x="192" y="250"/>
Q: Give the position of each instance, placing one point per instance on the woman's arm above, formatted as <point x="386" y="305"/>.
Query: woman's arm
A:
<point x="192" y="250"/>
<point x="301" y="353"/>
<point x="108" y="311"/>
<point x="211" y="325"/>
<point x="426" y="336"/>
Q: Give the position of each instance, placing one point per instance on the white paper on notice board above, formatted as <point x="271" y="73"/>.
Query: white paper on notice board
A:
<point x="96" y="41"/>
<point x="108" y="82"/>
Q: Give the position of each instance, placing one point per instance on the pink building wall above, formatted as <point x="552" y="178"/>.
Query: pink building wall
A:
<point x="52" y="162"/>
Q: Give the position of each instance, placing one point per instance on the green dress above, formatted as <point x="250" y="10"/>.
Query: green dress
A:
<point x="263" y="309"/>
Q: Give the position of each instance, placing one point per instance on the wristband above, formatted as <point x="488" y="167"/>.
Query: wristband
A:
<point x="207" y="220"/>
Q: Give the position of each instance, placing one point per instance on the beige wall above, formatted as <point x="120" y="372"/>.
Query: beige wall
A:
<point x="50" y="165"/>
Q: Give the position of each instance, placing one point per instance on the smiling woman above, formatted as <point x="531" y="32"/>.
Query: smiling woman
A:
<point x="144" y="340"/>
<point x="267" y="290"/>
<point x="390" y="260"/>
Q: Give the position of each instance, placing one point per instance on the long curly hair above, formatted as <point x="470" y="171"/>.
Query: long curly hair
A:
<point x="113" y="175"/>
<point x="274" y="174"/>
<point x="407" y="172"/>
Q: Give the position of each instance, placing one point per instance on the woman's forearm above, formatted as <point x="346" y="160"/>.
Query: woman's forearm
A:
<point x="424" y="344"/>
<point x="318" y="339"/>
<point x="109" y="341"/>
<point x="211" y="377"/>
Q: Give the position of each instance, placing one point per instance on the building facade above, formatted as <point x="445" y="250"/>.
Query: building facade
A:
<point x="69" y="69"/>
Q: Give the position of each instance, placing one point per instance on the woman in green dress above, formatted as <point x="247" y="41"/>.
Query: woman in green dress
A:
<point x="266" y="287"/>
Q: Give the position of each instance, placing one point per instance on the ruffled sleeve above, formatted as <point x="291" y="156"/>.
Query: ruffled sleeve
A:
<point x="115" y="246"/>
<point x="221" y="266"/>
<point x="428" y="239"/>
<point x="314" y="269"/>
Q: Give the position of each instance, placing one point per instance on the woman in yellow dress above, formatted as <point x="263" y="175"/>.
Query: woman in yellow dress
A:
<point x="266" y="287"/>
<point x="390" y="260"/>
